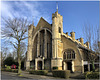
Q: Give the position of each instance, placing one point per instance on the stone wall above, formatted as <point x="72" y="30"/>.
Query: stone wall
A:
<point x="68" y="44"/>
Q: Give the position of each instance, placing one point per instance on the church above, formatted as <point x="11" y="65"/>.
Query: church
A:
<point x="49" y="47"/>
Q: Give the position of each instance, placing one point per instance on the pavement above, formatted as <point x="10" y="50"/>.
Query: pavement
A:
<point x="77" y="75"/>
<point x="26" y="76"/>
<point x="12" y="76"/>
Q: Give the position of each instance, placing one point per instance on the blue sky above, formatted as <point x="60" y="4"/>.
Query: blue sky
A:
<point x="75" y="13"/>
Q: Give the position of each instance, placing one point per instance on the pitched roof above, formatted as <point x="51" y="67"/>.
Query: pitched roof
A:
<point x="42" y="22"/>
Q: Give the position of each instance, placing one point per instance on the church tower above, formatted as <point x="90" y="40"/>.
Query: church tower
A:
<point x="57" y="46"/>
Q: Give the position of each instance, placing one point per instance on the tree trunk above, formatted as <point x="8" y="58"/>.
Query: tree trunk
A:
<point x="93" y="67"/>
<point x="19" y="66"/>
<point x="19" y="61"/>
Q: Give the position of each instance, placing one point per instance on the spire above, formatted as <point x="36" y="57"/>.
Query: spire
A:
<point x="33" y="21"/>
<point x="57" y="6"/>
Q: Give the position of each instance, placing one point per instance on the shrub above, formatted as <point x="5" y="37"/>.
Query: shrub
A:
<point x="55" y="68"/>
<point x="86" y="73"/>
<point x="15" y="70"/>
<point x="92" y="75"/>
<point x="61" y="73"/>
<point x="46" y="67"/>
<point x="38" y="72"/>
<point x="97" y="70"/>
<point x="10" y="70"/>
<point x="31" y="67"/>
<point x="8" y="67"/>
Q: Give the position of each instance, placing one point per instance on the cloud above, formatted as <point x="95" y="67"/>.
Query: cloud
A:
<point x="31" y="10"/>
<point x="27" y="9"/>
<point x="6" y="10"/>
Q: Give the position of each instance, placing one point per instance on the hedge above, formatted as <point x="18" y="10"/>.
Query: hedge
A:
<point x="92" y="75"/>
<point x="97" y="70"/>
<point x="38" y="72"/>
<point x="9" y="70"/>
<point x="55" y="68"/>
<point x="61" y="73"/>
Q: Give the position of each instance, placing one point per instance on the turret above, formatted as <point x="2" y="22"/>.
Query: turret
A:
<point x="81" y="40"/>
<point x="87" y="44"/>
<point x="67" y="33"/>
<point x="57" y="31"/>
<point x="73" y="35"/>
<point x="30" y="30"/>
<point x="57" y="25"/>
<point x="30" y="45"/>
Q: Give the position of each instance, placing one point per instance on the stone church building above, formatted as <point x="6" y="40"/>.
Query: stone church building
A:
<point x="49" y="46"/>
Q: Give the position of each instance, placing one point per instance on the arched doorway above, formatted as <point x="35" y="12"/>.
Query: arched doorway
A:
<point x="69" y="66"/>
<point x="68" y="59"/>
<point x="39" y="65"/>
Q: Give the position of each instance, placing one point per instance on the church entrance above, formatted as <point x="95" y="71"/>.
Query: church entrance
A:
<point x="85" y="68"/>
<point x="69" y="66"/>
<point x="39" y="67"/>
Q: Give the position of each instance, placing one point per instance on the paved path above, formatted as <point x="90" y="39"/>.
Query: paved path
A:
<point x="25" y="75"/>
<point x="11" y="76"/>
<point x="77" y="76"/>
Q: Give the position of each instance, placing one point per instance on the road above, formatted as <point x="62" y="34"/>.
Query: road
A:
<point x="10" y="76"/>
<point x="25" y="76"/>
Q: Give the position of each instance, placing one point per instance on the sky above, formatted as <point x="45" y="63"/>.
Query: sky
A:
<point x="75" y="13"/>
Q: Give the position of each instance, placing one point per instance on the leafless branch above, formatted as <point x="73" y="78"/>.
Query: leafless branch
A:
<point x="16" y="29"/>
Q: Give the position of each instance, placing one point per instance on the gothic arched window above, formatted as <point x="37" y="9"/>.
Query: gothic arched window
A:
<point x="69" y="54"/>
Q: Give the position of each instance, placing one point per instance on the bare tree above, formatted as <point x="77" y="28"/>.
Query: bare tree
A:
<point x="91" y="34"/>
<point x="22" y="52"/>
<point x="16" y="31"/>
<point x="4" y="52"/>
<point x="92" y="56"/>
<point x="14" y="53"/>
<point x="9" y="55"/>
